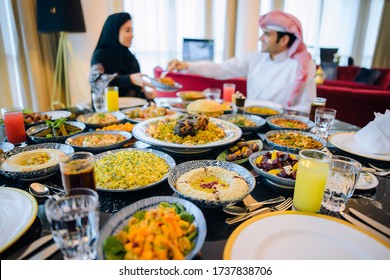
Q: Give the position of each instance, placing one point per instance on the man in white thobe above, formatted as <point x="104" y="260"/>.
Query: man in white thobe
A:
<point x="282" y="72"/>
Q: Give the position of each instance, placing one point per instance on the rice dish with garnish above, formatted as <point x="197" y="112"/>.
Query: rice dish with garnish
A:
<point x="101" y="118"/>
<point x="129" y="170"/>
<point x="166" y="130"/>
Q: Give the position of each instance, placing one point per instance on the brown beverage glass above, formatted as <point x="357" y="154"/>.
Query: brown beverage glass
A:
<point x="318" y="102"/>
<point x="77" y="171"/>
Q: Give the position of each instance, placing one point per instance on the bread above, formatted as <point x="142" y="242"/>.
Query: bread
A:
<point x="207" y="107"/>
<point x="191" y="95"/>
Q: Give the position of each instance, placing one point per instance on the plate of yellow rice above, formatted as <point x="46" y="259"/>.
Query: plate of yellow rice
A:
<point x="131" y="169"/>
<point x="160" y="132"/>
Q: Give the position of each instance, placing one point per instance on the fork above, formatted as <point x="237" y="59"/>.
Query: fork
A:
<point x="379" y="169"/>
<point x="280" y="207"/>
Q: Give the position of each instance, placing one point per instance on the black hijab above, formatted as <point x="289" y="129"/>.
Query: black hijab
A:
<point x="115" y="57"/>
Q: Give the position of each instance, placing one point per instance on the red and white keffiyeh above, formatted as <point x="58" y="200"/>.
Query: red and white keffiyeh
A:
<point x="279" y="21"/>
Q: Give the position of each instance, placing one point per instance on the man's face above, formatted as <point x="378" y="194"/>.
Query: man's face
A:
<point x="268" y="42"/>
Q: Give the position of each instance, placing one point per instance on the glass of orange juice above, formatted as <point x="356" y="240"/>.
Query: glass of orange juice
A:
<point x="112" y="98"/>
<point x="312" y="174"/>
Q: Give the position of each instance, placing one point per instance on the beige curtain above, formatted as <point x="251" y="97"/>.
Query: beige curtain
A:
<point x="230" y="30"/>
<point x="248" y="36"/>
<point x="381" y="57"/>
<point x="32" y="61"/>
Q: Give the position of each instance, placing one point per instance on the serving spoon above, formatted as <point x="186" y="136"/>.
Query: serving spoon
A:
<point x="238" y="210"/>
<point x="39" y="190"/>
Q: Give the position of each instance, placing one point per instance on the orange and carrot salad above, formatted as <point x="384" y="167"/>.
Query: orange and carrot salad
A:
<point x="163" y="233"/>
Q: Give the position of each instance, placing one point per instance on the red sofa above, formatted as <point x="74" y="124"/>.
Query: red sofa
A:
<point x="347" y="74"/>
<point x="198" y="83"/>
<point x="355" y="106"/>
<point x="355" y="102"/>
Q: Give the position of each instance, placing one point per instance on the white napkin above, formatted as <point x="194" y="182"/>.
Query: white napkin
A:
<point x="375" y="136"/>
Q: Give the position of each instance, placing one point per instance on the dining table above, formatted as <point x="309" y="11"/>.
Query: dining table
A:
<point x="374" y="202"/>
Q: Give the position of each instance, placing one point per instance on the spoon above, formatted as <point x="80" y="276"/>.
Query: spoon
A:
<point x="238" y="210"/>
<point x="40" y="190"/>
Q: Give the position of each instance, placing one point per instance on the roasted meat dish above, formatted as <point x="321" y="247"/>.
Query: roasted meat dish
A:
<point x="190" y="124"/>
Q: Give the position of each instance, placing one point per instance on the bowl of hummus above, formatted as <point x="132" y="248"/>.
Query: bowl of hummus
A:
<point x="33" y="161"/>
<point x="211" y="183"/>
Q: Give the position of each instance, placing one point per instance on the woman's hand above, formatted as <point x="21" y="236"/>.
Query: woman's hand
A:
<point x="176" y="64"/>
<point x="136" y="79"/>
<point x="147" y="88"/>
<point x="150" y="93"/>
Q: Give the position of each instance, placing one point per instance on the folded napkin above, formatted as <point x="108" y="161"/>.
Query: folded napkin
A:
<point x="375" y="136"/>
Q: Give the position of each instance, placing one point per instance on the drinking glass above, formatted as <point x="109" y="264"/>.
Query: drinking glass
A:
<point x="340" y="185"/>
<point x="74" y="223"/>
<point x="77" y="171"/>
<point x="14" y="125"/>
<point x="228" y="91"/>
<point x="99" y="102"/>
<point x="112" y="98"/>
<point x="312" y="173"/>
<point x="238" y="103"/>
<point x="318" y="102"/>
<point x="324" y="119"/>
<point x="213" y="93"/>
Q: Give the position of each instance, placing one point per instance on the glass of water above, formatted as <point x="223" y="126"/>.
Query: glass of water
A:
<point x="74" y="223"/>
<point x="324" y="119"/>
<point x="99" y="102"/>
<point x="340" y="185"/>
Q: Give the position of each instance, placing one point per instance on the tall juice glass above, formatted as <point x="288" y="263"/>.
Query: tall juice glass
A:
<point x="228" y="91"/>
<point x="312" y="173"/>
<point x="14" y="125"/>
<point x="112" y="99"/>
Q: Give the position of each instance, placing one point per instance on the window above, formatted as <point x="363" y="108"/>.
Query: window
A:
<point x="345" y="25"/>
<point x="161" y="25"/>
<point x="198" y="49"/>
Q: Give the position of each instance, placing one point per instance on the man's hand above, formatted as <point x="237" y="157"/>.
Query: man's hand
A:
<point x="176" y="64"/>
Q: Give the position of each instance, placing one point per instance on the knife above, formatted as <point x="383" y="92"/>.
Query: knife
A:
<point x="368" y="169"/>
<point x="363" y="226"/>
<point x="234" y="220"/>
<point x="45" y="253"/>
<point x="382" y="228"/>
<point x="35" y="245"/>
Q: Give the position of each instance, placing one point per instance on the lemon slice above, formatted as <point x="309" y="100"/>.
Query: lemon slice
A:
<point x="259" y="159"/>
<point x="273" y="156"/>
<point x="274" y="171"/>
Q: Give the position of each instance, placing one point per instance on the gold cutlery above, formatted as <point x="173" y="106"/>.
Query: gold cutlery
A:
<point x="34" y="246"/>
<point x="382" y="228"/>
<point x="280" y="207"/>
<point x="238" y="210"/>
<point x="45" y="253"/>
<point x="363" y="226"/>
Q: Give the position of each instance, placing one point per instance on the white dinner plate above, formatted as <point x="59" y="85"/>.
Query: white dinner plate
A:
<point x="141" y="131"/>
<point x="346" y="141"/>
<point x="366" y="181"/>
<point x="18" y="210"/>
<point x="54" y="115"/>
<point x="127" y="102"/>
<point x="293" y="235"/>
<point x="263" y="103"/>
<point x="6" y="146"/>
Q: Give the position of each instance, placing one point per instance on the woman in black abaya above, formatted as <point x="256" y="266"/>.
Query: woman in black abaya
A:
<point x="112" y="62"/>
